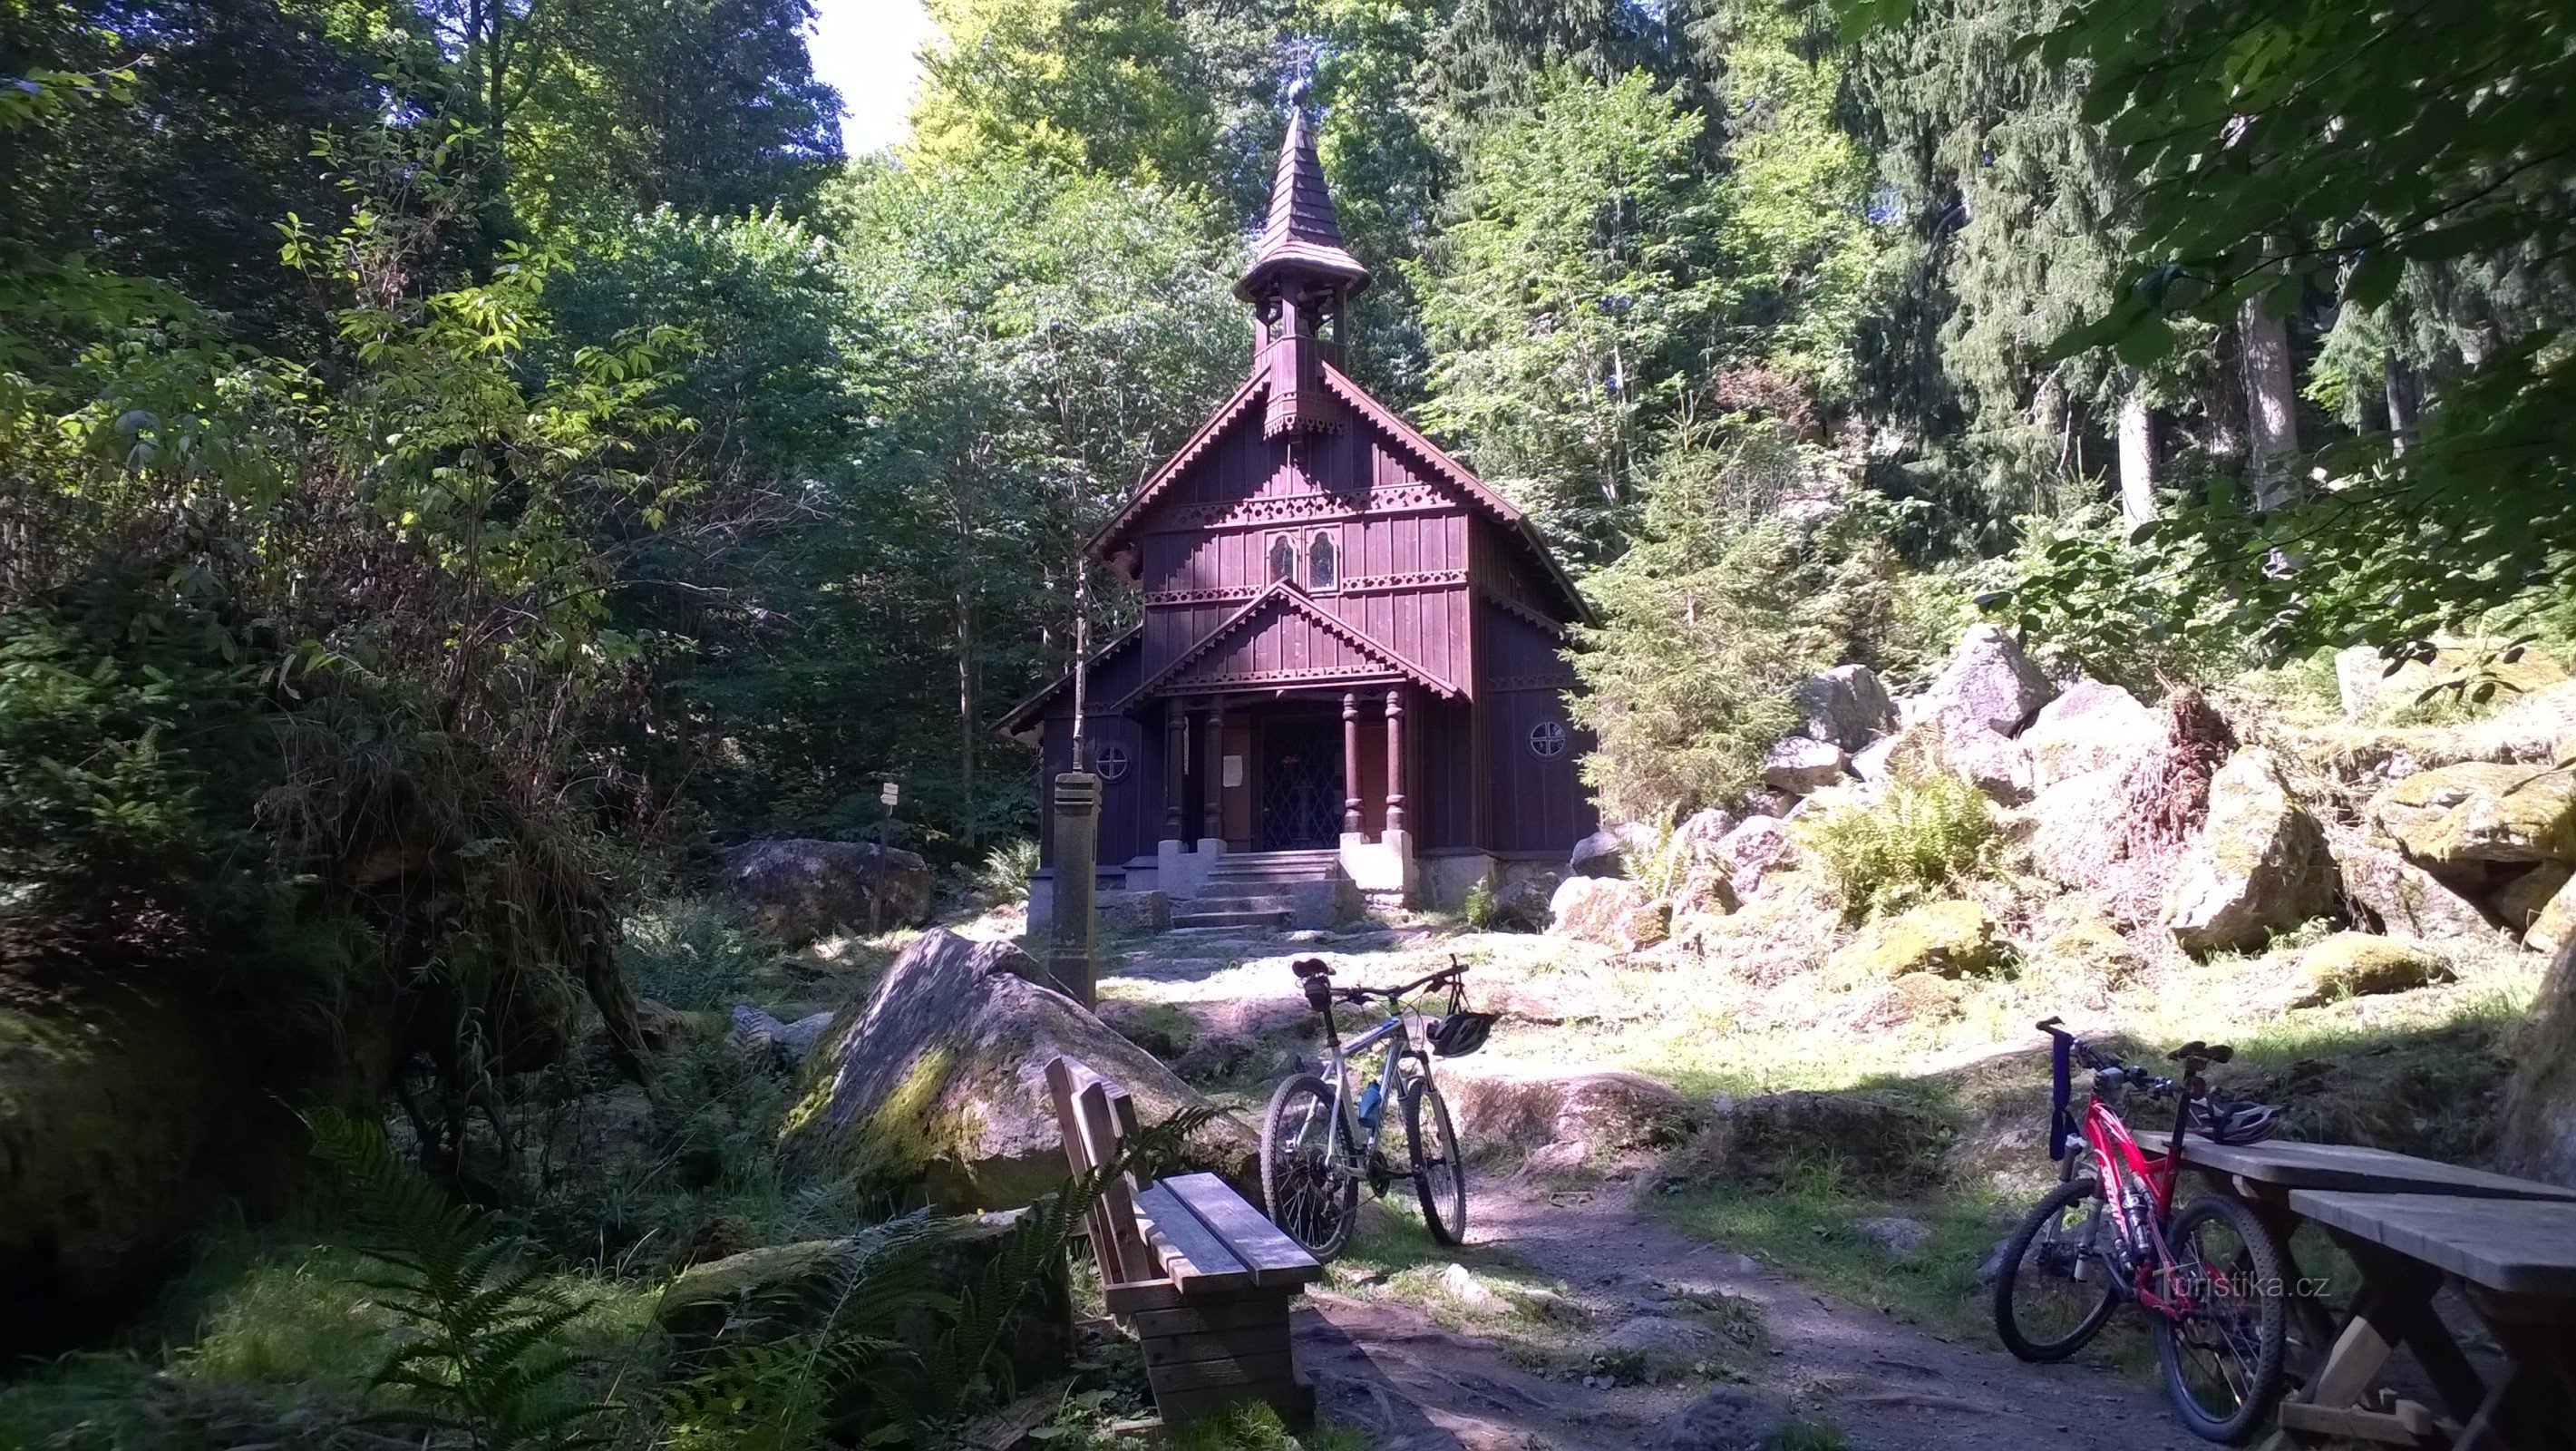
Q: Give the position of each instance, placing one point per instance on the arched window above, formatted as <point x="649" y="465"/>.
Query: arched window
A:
<point x="1283" y="558"/>
<point x="1319" y="562"/>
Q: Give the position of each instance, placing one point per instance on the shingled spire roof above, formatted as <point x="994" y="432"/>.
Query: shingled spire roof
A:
<point x="1302" y="236"/>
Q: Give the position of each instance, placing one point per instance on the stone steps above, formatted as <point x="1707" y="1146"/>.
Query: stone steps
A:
<point x="1227" y="921"/>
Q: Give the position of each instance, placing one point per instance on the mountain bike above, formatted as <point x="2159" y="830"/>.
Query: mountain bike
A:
<point x="1320" y="1142"/>
<point x="2209" y="1277"/>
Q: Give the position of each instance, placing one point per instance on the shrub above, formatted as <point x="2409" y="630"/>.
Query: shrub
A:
<point x="1007" y="870"/>
<point x="1478" y="907"/>
<point x="1930" y="828"/>
<point x="693" y="952"/>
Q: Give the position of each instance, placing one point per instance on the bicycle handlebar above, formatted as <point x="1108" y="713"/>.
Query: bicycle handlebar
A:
<point x="1316" y="974"/>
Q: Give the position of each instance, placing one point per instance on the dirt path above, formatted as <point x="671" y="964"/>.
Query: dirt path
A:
<point x="1387" y="1366"/>
<point x="1888" y="1384"/>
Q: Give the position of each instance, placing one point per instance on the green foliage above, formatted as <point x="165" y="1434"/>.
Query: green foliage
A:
<point x="1707" y="627"/>
<point x="781" y="1392"/>
<point x="2117" y="611"/>
<point x="1565" y="299"/>
<point x="2304" y="146"/>
<point x="1008" y="869"/>
<point x="692" y="952"/>
<point x="1099" y="88"/>
<point x="1928" y="829"/>
<point x="1477" y="907"/>
<point x="1662" y="864"/>
<point x="484" y="1359"/>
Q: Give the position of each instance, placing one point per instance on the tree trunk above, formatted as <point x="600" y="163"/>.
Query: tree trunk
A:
<point x="966" y="712"/>
<point x="2405" y="398"/>
<point x="2271" y="403"/>
<point x="2137" y="460"/>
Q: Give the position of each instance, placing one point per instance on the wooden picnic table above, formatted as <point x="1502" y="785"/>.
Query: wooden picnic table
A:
<point x="2408" y="1222"/>
<point x="2265" y="1175"/>
<point x="2267" y="1172"/>
<point x="2517" y="1259"/>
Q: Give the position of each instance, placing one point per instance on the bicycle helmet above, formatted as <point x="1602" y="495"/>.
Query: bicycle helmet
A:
<point x="2234" y="1121"/>
<point x="1460" y="1033"/>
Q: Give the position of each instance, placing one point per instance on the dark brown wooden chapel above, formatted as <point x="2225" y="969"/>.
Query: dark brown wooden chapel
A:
<point x="1350" y="665"/>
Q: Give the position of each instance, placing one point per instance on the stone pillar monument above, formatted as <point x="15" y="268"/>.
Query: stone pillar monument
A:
<point x="1077" y="876"/>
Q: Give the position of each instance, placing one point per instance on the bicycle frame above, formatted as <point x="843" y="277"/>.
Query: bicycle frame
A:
<point x="1348" y="1143"/>
<point x="2118" y="1163"/>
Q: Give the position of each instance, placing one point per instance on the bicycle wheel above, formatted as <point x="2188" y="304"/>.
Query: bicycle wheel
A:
<point x="2221" y="1341"/>
<point x="1313" y="1200"/>
<point x="1439" y="1175"/>
<point x="2057" y="1287"/>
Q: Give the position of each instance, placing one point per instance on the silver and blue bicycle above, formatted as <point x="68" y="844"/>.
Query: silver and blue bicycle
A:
<point x="1320" y="1142"/>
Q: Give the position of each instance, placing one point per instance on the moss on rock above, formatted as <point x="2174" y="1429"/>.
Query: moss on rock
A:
<point x="2362" y="964"/>
<point x="2481" y="811"/>
<point x="1945" y="939"/>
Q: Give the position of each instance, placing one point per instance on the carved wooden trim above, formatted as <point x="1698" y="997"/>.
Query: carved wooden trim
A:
<point x="1215" y="595"/>
<point x="1424" y="579"/>
<point x="1308" y="505"/>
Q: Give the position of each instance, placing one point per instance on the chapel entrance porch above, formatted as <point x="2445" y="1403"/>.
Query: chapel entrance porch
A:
<point x="1278" y="784"/>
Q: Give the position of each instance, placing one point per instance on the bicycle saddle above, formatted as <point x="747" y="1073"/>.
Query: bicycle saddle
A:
<point x="2203" y="1052"/>
<point x="1306" y="967"/>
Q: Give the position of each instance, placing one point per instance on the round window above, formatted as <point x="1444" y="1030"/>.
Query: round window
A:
<point x="1110" y="761"/>
<point x="1547" y="738"/>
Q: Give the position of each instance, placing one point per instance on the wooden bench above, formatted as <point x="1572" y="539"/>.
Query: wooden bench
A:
<point x="1202" y="1278"/>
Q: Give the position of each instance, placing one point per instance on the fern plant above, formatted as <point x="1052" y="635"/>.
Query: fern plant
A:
<point x="778" y="1394"/>
<point x="483" y="1357"/>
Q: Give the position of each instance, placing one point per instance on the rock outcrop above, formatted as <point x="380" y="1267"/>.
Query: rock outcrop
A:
<point x="799" y="890"/>
<point x="1803" y="767"/>
<point x="1989" y="683"/>
<point x="2454" y="819"/>
<point x="939" y="1080"/>
<point x="2555" y="924"/>
<point x="1945" y="939"/>
<point x="1752" y="849"/>
<point x="2091" y="726"/>
<point x="1879" y="1145"/>
<point x="1531" y="1108"/>
<point x="2260" y="864"/>
<point x="2361" y="964"/>
<point x="757" y="1032"/>
<point x="2404" y="897"/>
<point x="782" y="1289"/>
<point x="1844" y="706"/>
<point x="2522" y="900"/>
<point x="1728" y="1418"/>
<point x="1612" y="911"/>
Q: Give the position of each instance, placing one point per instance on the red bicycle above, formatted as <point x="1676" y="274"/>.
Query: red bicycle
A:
<point x="2208" y="1276"/>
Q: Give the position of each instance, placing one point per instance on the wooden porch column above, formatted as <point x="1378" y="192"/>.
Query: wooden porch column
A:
<point x="1350" y="763"/>
<point x="1394" y="759"/>
<point x="1212" y="771"/>
<point x="1176" y="756"/>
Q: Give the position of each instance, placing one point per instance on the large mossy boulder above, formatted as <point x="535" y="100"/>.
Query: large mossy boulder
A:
<point x="2260" y="864"/>
<point x="127" y="1118"/>
<point x="2364" y="964"/>
<point x="1866" y="1143"/>
<point x="938" y="1080"/>
<point x="1528" y="1107"/>
<point x="799" y="890"/>
<point x="2453" y="819"/>
<point x="1945" y="939"/>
